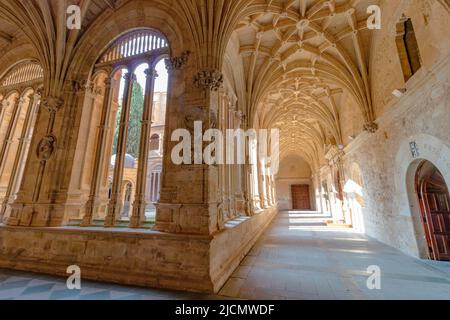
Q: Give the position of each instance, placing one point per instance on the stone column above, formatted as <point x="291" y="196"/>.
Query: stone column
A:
<point x="239" y="168"/>
<point x="3" y="104"/>
<point x="138" y="215"/>
<point x="231" y="196"/>
<point x="261" y="184"/>
<point x="93" y="202"/>
<point x="20" y="155"/>
<point x="10" y="132"/>
<point x="115" y="205"/>
<point x="274" y="194"/>
<point x="268" y="187"/>
<point x="226" y="167"/>
<point x="196" y="211"/>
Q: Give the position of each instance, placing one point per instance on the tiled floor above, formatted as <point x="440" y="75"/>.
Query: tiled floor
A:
<point x="26" y="286"/>
<point x="297" y="258"/>
<point x="300" y="258"/>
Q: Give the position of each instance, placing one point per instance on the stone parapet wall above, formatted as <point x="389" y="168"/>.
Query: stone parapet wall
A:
<point x="134" y="257"/>
<point x="230" y="247"/>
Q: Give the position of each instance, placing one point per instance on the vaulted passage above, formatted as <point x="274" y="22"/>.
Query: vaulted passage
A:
<point x="242" y="148"/>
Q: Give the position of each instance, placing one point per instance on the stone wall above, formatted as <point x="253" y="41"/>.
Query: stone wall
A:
<point x="293" y="170"/>
<point x="135" y="257"/>
<point x="422" y="115"/>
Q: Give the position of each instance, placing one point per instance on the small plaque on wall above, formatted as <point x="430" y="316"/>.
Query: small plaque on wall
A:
<point x="414" y="149"/>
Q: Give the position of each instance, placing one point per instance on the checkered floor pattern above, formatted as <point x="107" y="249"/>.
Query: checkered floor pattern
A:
<point x="16" y="285"/>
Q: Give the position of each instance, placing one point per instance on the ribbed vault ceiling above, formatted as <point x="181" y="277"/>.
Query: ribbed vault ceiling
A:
<point x="301" y="59"/>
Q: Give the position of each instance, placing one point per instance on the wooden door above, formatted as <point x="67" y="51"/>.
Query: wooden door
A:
<point x="435" y="205"/>
<point x="300" y="197"/>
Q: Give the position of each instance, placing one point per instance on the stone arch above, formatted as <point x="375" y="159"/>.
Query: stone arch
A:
<point x="429" y="148"/>
<point x="110" y="27"/>
<point x="16" y="56"/>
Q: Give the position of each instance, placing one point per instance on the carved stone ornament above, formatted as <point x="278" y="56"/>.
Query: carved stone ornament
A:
<point x="209" y="79"/>
<point x="196" y="113"/>
<point x="177" y="63"/>
<point x="52" y="104"/>
<point x="46" y="147"/>
<point x="83" y="85"/>
<point x="371" y="127"/>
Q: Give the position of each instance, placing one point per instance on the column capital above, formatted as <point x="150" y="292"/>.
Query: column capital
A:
<point x="78" y="86"/>
<point x="151" y="72"/>
<point x="209" y="80"/>
<point x="129" y="76"/>
<point x="371" y="127"/>
<point x="176" y="63"/>
<point x="5" y="103"/>
<point x="52" y="104"/>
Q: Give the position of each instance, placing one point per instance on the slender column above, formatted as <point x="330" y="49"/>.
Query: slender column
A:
<point x="138" y="215"/>
<point x="226" y="167"/>
<point x="23" y="141"/>
<point x="115" y="204"/>
<point x="268" y="192"/>
<point x="261" y="184"/>
<point x="4" y="104"/>
<point x="10" y="132"/>
<point x="274" y="189"/>
<point x="247" y="170"/>
<point x="93" y="202"/>
<point x="231" y="195"/>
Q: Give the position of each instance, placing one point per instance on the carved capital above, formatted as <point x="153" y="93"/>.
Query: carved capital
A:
<point x="40" y="91"/>
<point x="78" y="86"/>
<point x="52" y="104"/>
<point x="151" y="73"/>
<point x="177" y="63"/>
<point x="129" y="76"/>
<point x="107" y="82"/>
<point x="209" y="79"/>
<point x="371" y="127"/>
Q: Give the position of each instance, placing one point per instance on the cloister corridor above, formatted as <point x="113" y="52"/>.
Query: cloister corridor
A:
<point x="297" y="258"/>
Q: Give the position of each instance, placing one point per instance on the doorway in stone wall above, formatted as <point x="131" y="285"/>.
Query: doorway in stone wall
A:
<point x="434" y="202"/>
<point x="301" y="197"/>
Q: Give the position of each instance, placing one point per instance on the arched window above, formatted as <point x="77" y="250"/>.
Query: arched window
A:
<point x="22" y="73"/>
<point x="154" y="143"/>
<point x="138" y="76"/>
<point x="18" y="112"/>
<point x="408" y="49"/>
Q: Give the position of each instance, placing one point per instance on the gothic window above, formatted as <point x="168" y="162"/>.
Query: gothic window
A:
<point x="408" y="48"/>
<point x="18" y="114"/>
<point x="134" y="69"/>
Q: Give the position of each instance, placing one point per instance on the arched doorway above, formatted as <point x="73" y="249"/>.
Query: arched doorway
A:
<point x="434" y="203"/>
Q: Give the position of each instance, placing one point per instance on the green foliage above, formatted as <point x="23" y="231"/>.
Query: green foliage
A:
<point x="134" y="129"/>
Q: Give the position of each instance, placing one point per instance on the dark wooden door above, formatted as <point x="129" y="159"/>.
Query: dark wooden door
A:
<point x="435" y="205"/>
<point x="300" y="197"/>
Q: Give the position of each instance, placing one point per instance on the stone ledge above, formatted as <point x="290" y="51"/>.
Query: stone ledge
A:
<point x="229" y="248"/>
<point x="135" y="257"/>
<point x="123" y="232"/>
